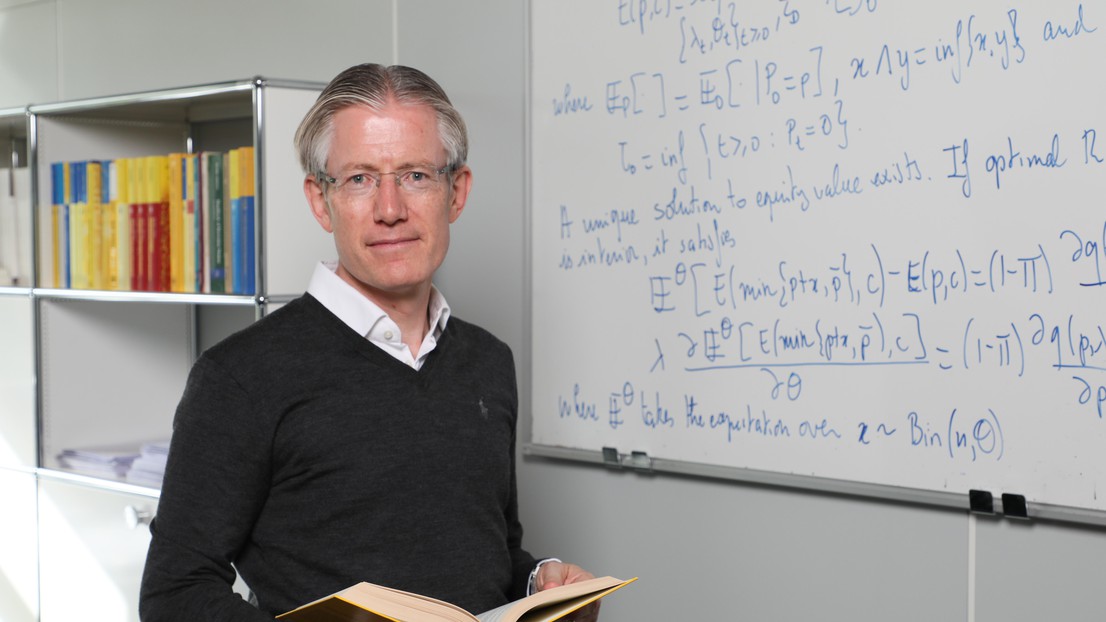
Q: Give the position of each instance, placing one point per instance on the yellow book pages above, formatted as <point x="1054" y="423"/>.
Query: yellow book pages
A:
<point x="176" y="222"/>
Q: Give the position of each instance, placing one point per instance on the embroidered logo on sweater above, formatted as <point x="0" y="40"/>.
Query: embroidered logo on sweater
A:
<point x="483" y="409"/>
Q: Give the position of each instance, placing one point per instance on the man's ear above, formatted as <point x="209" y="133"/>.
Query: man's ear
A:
<point x="462" y="183"/>
<point x="317" y="200"/>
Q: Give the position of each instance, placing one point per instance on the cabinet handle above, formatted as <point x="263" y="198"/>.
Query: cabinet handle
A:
<point x="134" y="516"/>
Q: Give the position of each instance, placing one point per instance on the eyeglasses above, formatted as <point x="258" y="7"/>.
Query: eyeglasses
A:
<point x="414" y="181"/>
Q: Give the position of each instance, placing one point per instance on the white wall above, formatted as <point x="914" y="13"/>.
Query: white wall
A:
<point x="706" y="550"/>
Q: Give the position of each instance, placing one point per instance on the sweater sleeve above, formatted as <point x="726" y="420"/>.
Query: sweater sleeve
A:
<point x="215" y="483"/>
<point x="522" y="562"/>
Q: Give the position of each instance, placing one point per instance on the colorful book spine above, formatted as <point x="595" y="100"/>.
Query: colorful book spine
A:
<point x="92" y="239"/>
<point x="247" y="244"/>
<point x="230" y="191"/>
<point x="214" y="202"/>
<point x="57" y="209"/>
<point x="124" y="238"/>
<point x="77" y="227"/>
<point x="203" y="194"/>
<point x="188" y="223"/>
<point x="176" y="222"/>
<point x="160" y="245"/>
<point x="107" y="225"/>
<point x="139" y="225"/>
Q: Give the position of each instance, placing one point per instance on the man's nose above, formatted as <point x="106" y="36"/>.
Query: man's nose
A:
<point x="390" y="206"/>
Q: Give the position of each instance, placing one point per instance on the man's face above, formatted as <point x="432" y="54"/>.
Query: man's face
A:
<point x="391" y="243"/>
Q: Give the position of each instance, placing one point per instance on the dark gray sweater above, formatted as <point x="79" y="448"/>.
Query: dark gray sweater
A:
<point x="312" y="460"/>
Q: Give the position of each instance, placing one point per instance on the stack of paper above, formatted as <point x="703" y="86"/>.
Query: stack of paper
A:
<point x="149" y="468"/>
<point x="111" y="462"/>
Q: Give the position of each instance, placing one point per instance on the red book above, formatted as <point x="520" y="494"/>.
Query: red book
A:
<point x="152" y="263"/>
<point x="138" y="246"/>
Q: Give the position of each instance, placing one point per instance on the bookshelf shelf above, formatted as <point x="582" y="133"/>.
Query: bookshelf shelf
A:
<point x="98" y="483"/>
<point x="24" y="292"/>
<point x="161" y="297"/>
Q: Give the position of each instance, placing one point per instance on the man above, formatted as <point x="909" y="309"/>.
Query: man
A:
<point x="359" y="433"/>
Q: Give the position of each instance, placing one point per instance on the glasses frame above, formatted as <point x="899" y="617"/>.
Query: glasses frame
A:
<point x="331" y="182"/>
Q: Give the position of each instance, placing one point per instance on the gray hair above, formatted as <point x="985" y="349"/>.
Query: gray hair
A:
<point x="375" y="86"/>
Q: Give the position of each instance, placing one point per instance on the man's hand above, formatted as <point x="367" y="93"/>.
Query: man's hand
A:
<point x="554" y="574"/>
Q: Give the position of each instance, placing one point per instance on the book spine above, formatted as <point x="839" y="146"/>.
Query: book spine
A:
<point x="139" y="227"/>
<point x="230" y="190"/>
<point x="107" y="225"/>
<point x="123" y="236"/>
<point x="94" y="264"/>
<point x="176" y="223"/>
<point x="57" y="187"/>
<point x="161" y="225"/>
<point x="188" y="228"/>
<point x="249" y="252"/>
<point x="204" y="195"/>
<point x="77" y="230"/>
<point x="216" y="252"/>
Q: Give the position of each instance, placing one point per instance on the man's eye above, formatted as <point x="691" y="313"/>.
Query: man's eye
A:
<point x="416" y="176"/>
<point x="358" y="180"/>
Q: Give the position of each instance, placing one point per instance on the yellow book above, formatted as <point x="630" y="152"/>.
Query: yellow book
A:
<point x="51" y="228"/>
<point x="124" y="237"/>
<point x="78" y="228"/>
<point x="93" y="226"/>
<point x="188" y="233"/>
<point x="365" y="602"/>
<point x="246" y="256"/>
<point x="108" y="247"/>
<point x="61" y="228"/>
<point x="176" y="223"/>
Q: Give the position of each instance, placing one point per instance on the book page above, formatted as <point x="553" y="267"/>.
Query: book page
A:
<point x="555" y="603"/>
<point x="375" y="601"/>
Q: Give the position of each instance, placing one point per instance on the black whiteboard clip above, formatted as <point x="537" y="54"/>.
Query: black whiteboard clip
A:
<point x="1014" y="506"/>
<point x="981" y="502"/>
<point x="640" y="461"/>
<point x="611" y="459"/>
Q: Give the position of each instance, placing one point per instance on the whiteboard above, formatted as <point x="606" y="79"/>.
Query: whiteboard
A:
<point x="847" y="240"/>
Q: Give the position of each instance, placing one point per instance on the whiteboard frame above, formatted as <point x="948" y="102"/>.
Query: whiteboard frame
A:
<point x="847" y="488"/>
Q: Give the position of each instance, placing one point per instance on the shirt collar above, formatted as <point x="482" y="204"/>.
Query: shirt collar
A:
<point x="362" y="314"/>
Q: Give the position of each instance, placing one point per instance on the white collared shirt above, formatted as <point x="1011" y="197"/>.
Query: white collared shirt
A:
<point x="369" y="320"/>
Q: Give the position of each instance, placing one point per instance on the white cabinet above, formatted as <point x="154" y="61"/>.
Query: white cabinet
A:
<point x="91" y="557"/>
<point x="18" y="546"/>
<point x="18" y="443"/>
<point x="18" y="448"/>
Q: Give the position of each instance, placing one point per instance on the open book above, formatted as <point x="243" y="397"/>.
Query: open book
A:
<point x="366" y="602"/>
